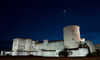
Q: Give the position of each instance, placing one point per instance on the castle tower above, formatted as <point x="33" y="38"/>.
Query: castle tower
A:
<point x="71" y="36"/>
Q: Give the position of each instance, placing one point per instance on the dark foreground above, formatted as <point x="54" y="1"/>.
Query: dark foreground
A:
<point x="45" y="58"/>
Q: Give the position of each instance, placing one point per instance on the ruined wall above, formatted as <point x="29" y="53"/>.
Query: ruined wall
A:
<point x="50" y="46"/>
<point x="20" y="44"/>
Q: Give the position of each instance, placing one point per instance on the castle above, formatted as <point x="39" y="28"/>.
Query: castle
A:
<point x="71" y="46"/>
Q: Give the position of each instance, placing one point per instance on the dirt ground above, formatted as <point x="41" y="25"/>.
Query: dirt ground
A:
<point x="45" y="58"/>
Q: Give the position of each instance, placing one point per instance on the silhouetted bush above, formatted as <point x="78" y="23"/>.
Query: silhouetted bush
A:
<point x="89" y="55"/>
<point x="8" y="55"/>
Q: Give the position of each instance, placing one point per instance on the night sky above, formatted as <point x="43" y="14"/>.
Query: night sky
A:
<point x="45" y="19"/>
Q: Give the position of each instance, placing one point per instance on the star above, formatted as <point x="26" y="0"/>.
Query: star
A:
<point x="64" y="11"/>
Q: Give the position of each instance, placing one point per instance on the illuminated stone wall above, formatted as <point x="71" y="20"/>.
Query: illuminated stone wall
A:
<point x="71" y="36"/>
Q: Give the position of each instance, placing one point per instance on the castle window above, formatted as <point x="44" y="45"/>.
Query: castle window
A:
<point x="72" y="38"/>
